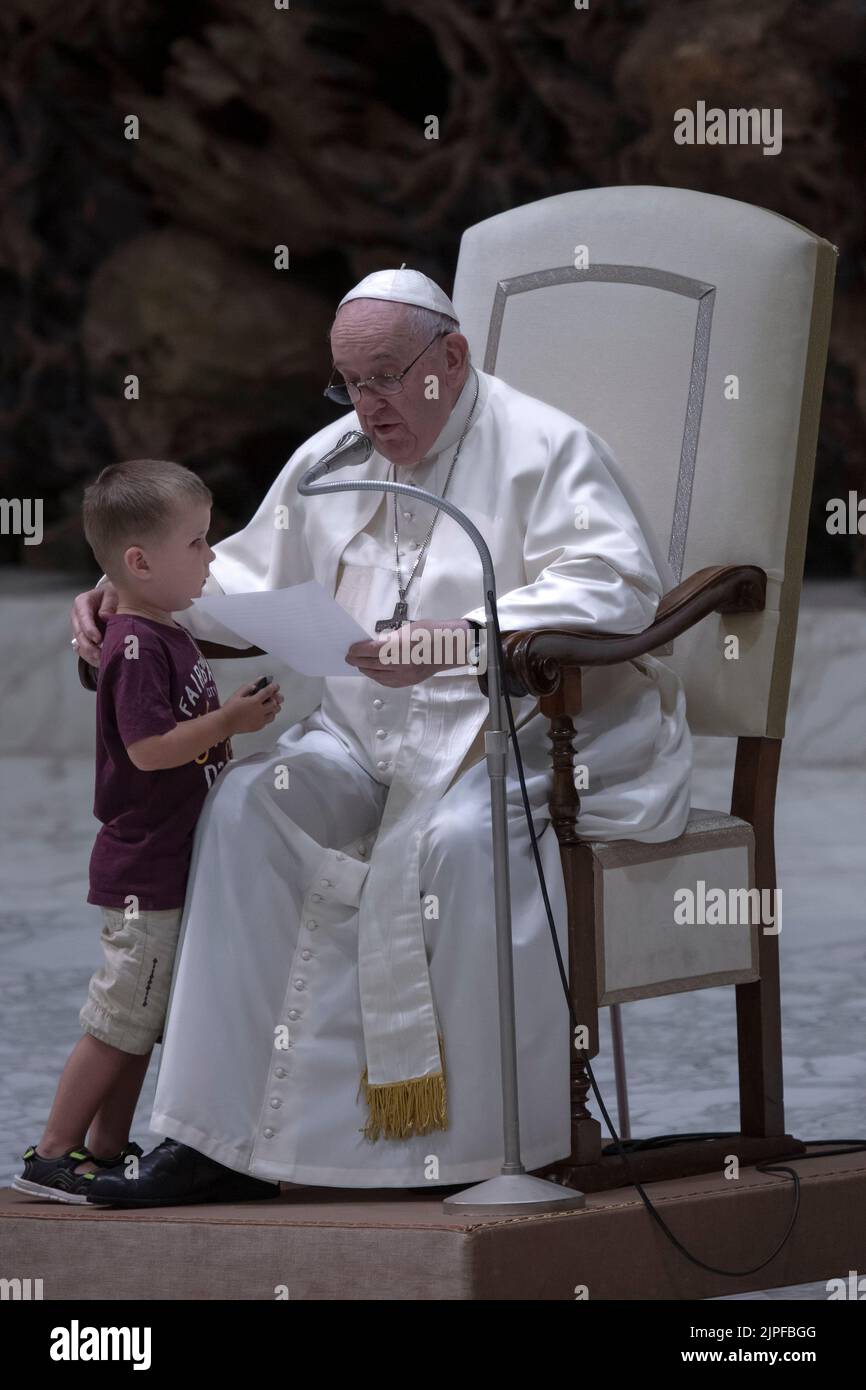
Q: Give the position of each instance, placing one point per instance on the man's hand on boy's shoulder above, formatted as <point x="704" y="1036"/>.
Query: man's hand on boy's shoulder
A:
<point x="86" y="610"/>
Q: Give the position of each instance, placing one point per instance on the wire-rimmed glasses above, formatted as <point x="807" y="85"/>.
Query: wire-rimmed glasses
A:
<point x="387" y="384"/>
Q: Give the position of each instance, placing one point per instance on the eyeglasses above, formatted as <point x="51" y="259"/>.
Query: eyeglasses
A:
<point x="345" y="392"/>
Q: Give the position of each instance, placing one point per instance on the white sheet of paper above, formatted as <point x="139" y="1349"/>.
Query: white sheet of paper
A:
<point x="302" y="625"/>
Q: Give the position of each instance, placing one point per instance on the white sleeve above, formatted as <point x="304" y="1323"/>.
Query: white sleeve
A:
<point x="587" y="563"/>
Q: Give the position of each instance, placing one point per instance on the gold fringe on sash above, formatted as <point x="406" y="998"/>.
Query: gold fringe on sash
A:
<point x="402" y="1109"/>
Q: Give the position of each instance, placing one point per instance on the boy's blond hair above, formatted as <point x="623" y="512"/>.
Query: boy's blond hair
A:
<point x="129" y="502"/>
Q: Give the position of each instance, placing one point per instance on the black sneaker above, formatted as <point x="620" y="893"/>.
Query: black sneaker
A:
<point x="55" y="1178"/>
<point x="174" y="1175"/>
<point x="120" y="1158"/>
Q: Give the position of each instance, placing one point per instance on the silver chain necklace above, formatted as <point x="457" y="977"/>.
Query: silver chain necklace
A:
<point x="401" y="608"/>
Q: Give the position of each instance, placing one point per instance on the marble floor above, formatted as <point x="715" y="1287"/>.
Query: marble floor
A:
<point x="50" y="945"/>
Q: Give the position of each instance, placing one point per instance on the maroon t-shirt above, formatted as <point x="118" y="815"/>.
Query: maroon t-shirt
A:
<point x="144" y="687"/>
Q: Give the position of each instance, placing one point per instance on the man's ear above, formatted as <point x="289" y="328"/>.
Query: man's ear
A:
<point x="456" y="355"/>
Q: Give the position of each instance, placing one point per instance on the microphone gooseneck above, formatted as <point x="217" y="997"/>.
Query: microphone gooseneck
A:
<point x="353" y="448"/>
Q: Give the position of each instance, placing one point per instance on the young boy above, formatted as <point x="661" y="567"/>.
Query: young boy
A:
<point x="162" y="739"/>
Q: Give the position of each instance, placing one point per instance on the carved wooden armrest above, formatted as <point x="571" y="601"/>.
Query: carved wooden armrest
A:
<point x="218" y="651"/>
<point x="537" y="659"/>
<point x="87" y="673"/>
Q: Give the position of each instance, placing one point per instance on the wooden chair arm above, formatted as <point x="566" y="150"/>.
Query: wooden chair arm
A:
<point x="535" y="659"/>
<point x="87" y="673"/>
<point x="220" y="652"/>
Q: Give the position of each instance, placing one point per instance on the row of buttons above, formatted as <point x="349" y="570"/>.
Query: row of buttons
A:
<point x="410" y="516"/>
<point x="381" y="733"/>
<point x="300" y="984"/>
<point x="384" y="763"/>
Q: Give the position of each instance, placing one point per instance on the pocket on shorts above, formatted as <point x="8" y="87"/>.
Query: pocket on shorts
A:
<point x="128" y="995"/>
<point x="117" y="928"/>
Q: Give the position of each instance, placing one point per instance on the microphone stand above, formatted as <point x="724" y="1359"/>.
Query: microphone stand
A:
<point x="514" y="1190"/>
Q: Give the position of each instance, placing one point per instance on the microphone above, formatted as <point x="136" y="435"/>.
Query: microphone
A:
<point x="353" y="448"/>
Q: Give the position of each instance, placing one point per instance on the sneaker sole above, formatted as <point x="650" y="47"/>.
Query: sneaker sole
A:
<point x="38" y="1189"/>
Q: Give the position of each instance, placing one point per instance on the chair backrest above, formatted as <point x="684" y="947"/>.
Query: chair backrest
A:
<point x="690" y="332"/>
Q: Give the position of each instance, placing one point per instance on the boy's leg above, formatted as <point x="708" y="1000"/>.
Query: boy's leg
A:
<point x="124" y="1016"/>
<point x="109" y="1132"/>
<point x="91" y="1074"/>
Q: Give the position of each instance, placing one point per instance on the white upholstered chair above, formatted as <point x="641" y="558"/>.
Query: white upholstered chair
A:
<point x="690" y="332"/>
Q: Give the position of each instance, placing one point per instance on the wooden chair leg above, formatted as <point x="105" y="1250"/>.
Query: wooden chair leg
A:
<point x="759" y="1015"/>
<point x="578" y="873"/>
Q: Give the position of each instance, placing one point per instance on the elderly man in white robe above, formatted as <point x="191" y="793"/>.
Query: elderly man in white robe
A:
<point x="334" y="1013"/>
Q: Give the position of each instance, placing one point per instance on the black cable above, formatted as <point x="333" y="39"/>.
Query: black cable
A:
<point x="776" y="1167"/>
<point x="663" y="1141"/>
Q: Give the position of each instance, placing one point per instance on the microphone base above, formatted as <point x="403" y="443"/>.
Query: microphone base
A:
<point x="515" y="1192"/>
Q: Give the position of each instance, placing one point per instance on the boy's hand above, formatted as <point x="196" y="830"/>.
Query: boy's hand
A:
<point x="87" y="608"/>
<point x="246" y="714"/>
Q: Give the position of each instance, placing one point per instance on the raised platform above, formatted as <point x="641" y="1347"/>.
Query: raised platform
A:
<point x="321" y="1243"/>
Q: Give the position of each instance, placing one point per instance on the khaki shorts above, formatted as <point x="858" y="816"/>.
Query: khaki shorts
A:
<point x="128" y="995"/>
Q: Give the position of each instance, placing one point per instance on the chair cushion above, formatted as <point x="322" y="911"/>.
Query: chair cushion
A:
<point x="660" y="928"/>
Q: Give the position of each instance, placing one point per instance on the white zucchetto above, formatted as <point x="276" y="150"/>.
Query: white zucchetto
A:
<point x="404" y="287"/>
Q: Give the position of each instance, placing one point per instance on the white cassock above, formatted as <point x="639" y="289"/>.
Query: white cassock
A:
<point x="282" y="877"/>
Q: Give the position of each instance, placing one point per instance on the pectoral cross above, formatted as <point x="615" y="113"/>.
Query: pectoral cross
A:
<point x="397" y="618"/>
